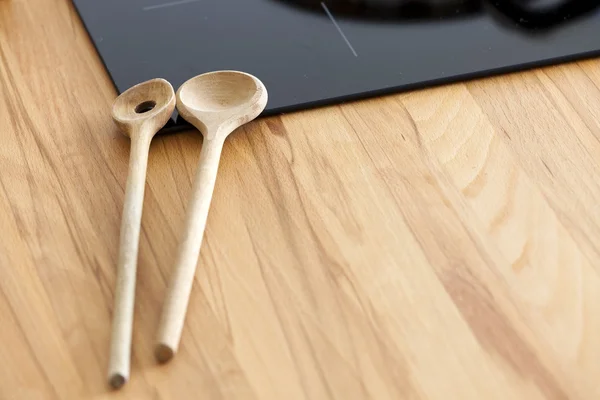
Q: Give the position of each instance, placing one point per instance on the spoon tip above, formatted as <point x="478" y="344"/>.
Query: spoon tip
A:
<point x="163" y="353"/>
<point x="117" y="380"/>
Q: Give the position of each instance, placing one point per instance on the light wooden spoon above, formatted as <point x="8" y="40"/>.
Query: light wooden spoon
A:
<point x="139" y="112"/>
<point x="216" y="103"/>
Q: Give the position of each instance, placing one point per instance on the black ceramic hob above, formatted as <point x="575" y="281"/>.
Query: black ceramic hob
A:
<point x="310" y="53"/>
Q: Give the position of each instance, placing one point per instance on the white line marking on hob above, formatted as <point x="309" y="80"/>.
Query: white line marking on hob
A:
<point x="338" y="28"/>
<point x="169" y="4"/>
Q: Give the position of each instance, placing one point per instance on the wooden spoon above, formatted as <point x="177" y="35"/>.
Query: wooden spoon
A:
<point x="139" y="112"/>
<point x="216" y="103"/>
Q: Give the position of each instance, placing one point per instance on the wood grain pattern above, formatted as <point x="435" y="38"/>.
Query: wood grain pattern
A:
<point x="437" y="244"/>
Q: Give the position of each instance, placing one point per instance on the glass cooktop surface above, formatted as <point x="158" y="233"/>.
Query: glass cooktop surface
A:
<point x="311" y="53"/>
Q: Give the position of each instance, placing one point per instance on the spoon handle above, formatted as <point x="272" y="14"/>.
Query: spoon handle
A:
<point x="119" y="362"/>
<point x="178" y="292"/>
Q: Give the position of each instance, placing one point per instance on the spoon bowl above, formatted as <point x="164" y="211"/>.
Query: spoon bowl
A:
<point x="216" y="103"/>
<point x="147" y="105"/>
<point x="221" y="99"/>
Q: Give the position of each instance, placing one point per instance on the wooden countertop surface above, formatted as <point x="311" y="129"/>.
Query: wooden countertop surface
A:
<point x="438" y="244"/>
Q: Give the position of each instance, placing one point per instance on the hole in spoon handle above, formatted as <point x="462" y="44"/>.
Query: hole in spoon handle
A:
<point x="145" y="106"/>
<point x="180" y="286"/>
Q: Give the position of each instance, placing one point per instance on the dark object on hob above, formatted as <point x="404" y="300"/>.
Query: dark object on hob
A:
<point x="312" y="53"/>
<point x="521" y="14"/>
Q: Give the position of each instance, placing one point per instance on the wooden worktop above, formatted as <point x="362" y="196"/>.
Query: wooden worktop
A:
<point x="440" y="244"/>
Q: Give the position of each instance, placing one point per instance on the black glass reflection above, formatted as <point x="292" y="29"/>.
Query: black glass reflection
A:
<point x="521" y="14"/>
<point x="542" y="14"/>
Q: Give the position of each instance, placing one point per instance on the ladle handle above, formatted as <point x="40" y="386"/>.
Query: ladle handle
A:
<point x="120" y="351"/>
<point x="180" y="286"/>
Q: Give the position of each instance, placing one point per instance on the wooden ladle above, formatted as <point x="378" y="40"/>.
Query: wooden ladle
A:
<point x="139" y="112"/>
<point x="216" y="103"/>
